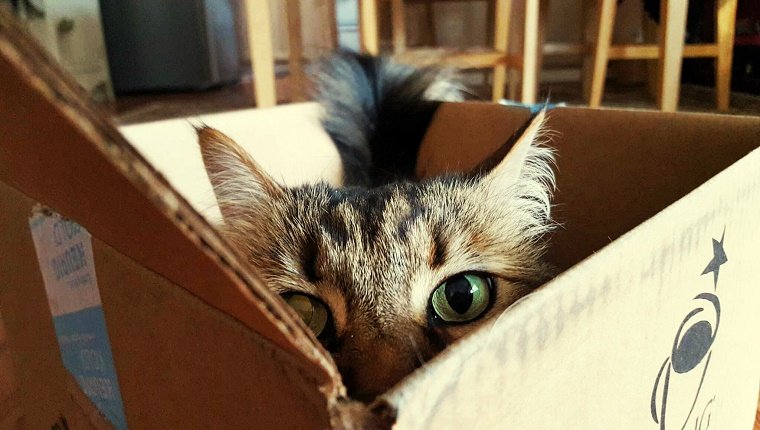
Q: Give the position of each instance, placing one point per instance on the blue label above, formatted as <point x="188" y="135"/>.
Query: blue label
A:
<point x="64" y="252"/>
<point x="86" y="354"/>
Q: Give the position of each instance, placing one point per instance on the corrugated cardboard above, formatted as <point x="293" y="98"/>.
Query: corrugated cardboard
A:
<point x="67" y="156"/>
<point x="651" y="324"/>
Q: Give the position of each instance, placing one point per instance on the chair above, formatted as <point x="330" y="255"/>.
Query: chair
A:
<point x="669" y="51"/>
<point x="258" y="14"/>
<point x="497" y="57"/>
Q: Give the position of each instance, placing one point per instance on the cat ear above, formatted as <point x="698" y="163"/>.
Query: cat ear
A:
<point x="525" y="170"/>
<point x="525" y="158"/>
<point x="240" y="184"/>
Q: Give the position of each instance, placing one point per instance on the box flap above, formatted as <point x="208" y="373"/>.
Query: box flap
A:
<point x="35" y="389"/>
<point x="56" y="147"/>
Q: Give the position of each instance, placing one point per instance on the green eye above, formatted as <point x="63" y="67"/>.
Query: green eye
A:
<point x="461" y="298"/>
<point x="313" y="312"/>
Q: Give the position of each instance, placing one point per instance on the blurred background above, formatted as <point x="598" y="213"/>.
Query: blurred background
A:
<point x="148" y="60"/>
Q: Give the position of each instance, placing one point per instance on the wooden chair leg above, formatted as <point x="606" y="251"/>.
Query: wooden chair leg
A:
<point x="651" y="35"/>
<point x="490" y="21"/>
<point x="431" y="38"/>
<point x="502" y="15"/>
<point x="725" y="27"/>
<point x="512" y="84"/>
<point x="398" y="26"/>
<point x="599" y="37"/>
<point x="530" y="52"/>
<point x="672" y="31"/>
<point x="295" y="50"/>
<point x="368" y="27"/>
<point x="543" y="17"/>
<point x="332" y="23"/>
<point x="262" y="59"/>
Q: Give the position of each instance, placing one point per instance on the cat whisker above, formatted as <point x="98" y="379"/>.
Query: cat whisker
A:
<point x="416" y="349"/>
<point x="496" y="321"/>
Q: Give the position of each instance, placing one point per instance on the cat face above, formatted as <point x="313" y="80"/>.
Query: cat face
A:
<point x="387" y="277"/>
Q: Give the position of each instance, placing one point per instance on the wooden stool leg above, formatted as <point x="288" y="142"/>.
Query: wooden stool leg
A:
<point x="260" y="44"/>
<point x="543" y="17"/>
<point x="368" y="27"/>
<point x="398" y="26"/>
<point x="512" y="84"/>
<point x="431" y="38"/>
<point x="295" y="50"/>
<point x="651" y="36"/>
<point x="599" y="37"/>
<point x="332" y="24"/>
<point x="502" y="15"/>
<point x="490" y="21"/>
<point x="530" y="52"/>
<point x="725" y="27"/>
<point x="672" y="31"/>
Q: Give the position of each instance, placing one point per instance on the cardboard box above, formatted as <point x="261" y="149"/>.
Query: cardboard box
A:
<point x="653" y="322"/>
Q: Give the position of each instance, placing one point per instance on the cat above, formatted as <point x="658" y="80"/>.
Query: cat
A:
<point x="387" y="270"/>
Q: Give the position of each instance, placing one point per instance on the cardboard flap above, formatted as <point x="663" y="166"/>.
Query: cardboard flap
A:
<point x="35" y="389"/>
<point x="200" y="367"/>
<point x="56" y="147"/>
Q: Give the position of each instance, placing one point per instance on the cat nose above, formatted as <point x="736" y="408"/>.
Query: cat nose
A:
<point x="371" y="370"/>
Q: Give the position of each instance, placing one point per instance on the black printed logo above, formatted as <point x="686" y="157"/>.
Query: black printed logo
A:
<point x="678" y="384"/>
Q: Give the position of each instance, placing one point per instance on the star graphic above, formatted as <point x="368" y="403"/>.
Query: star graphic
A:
<point x="719" y="257"/>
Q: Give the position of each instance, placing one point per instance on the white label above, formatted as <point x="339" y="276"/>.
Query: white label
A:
<point x="64" y="251"/>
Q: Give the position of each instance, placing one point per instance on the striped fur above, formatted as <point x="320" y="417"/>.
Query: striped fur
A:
<point x="374" y="254"/>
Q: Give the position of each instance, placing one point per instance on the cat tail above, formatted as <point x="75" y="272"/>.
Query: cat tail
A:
<point x="377" y="112"/>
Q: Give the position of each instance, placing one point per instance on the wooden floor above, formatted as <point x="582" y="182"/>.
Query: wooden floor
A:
<point x="150" y="107"/>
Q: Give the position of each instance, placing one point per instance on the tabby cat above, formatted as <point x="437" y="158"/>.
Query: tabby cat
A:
<point x="387" y="271"/>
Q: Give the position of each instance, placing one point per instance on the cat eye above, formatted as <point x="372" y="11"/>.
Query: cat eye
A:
<point x="462" y="298"/>
<point x="313" y="313"/>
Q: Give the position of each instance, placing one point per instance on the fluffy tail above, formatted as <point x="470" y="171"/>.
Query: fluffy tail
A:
<point x="377" y="112"/>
